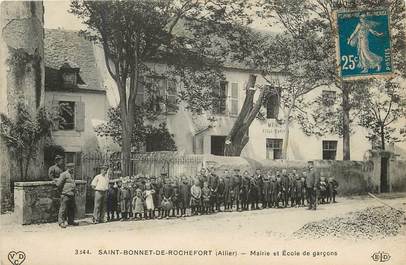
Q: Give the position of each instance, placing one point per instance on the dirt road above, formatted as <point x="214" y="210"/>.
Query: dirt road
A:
<point x="246" y="233"/>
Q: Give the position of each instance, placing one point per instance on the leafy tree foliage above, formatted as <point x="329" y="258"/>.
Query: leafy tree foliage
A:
<point x="317" y="16"/>
<point x="383" y="105"/>
<point x="23" y="134"/>
<point x="157" y="137"/>
<point x="185" y="34"/>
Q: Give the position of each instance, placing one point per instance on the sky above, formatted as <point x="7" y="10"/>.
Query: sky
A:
<point x="57" y="16"/>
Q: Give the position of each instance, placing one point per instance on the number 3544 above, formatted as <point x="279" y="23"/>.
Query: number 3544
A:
<point x="349" y="62"/>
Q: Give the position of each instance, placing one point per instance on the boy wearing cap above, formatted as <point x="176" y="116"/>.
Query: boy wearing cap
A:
<point x="112" y="212"/>
<point x="67" y="185"/>
<point x="124" y="200"/>
<point x="56" y="170"/>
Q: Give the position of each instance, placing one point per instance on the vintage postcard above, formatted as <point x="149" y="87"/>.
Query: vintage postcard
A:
<point x="202" y="132"/>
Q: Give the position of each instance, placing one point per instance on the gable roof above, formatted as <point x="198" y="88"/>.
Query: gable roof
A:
<point x="62" y="47"/>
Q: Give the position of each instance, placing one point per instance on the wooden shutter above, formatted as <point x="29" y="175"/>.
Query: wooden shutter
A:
<point x="223" y="97"/>
<point x="234" y="99"/>
<point x="55" y="112"/>
<point x="171" y="104"/>
<point x="80" y="116"/>
<point x="139" y="98"/>
<point x="78" y="166"/>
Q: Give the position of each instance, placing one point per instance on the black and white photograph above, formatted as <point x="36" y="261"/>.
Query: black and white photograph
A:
<point x="203" y="132"/>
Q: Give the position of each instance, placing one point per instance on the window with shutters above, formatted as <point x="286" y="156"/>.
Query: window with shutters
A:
<point x="329" y="150"/>
<point x="66" y="115"/>
<point x="273" y="104"/>
<point x="234" y="99"/>
<point x="220" y="98"/>
<point x="71" y="115"/>
<point x="274" y="148"/>
<point x="160" y="94"/>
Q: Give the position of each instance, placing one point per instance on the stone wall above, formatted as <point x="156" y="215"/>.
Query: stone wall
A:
<point x="21" y="74"/>
<point x="397" y="175"/>
<point x="38" y="201"/>
<point x="354" y="177"/>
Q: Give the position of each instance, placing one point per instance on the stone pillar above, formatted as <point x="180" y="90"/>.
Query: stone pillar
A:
<point x="21" y="75"/>
<point x="38" y="201"/>
<point x="376" y="158"/>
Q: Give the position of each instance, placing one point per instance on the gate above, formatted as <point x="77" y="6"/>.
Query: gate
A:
<point x="173" y="164"/>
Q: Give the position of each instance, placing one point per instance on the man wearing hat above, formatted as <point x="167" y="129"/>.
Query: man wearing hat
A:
<point x="67" y="185"/>
<point x="56" y="170"/>
<point x="312" y="180"/>
<point x="100" y="184"/>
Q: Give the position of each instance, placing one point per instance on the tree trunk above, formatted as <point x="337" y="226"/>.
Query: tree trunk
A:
<point x="125" y="130"/>
<point x="238" y="138"/>
<point x="126" y="153"/>
<point x="346" y="122"/>
<point x="285" y="140"/>
<point x="382" y="137"/>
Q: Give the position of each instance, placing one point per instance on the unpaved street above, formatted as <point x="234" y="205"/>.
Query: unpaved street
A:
<point x="260" y="230"/>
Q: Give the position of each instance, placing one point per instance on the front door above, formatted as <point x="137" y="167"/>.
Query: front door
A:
<point x="217" y="145"/>
<point x="384" y="174"/>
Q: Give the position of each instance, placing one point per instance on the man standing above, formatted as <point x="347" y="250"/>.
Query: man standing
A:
<point x="66" y="184"/>
<point x="100" y="184"/>
<point x="56" y="170"/>
<point x="285" y="188"/>
<point x="312" y="186"/>
<point x="213" y="180"/>
<point x="260" y="187"/>
<point x="237" y="183"/>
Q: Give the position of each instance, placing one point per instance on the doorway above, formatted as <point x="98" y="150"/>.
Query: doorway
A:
<point x="384" y="174"/>
<point x="217" y="145"/>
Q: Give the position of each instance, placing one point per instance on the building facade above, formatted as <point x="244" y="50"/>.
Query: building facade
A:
<point x="73" y="88"/>
<point x="198" y="134"/>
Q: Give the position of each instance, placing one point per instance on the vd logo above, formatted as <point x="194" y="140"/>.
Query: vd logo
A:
<point x="16" y="258"/>
<point x="380" y="256"/>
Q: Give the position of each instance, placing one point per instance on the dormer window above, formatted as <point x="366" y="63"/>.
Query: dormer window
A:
<point x="69" y="79"/>
<point x="69" y="72"/>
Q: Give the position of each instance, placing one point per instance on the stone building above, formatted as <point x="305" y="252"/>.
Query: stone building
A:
<point x="195" y="134"/>
<point x="73" y="86"/>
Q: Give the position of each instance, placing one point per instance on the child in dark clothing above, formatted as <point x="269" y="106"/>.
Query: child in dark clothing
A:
<point x="176" y="200"/>
<point x="206" y="193"/>
<point x="184" y="196"/>
<point x="112" y="193"/>
<point x="124" y="198"/>
<point x="195" y="200"/>
<point x="167" y="203"/>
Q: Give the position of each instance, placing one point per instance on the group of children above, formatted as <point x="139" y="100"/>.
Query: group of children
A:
<point x="143" y="197"/>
